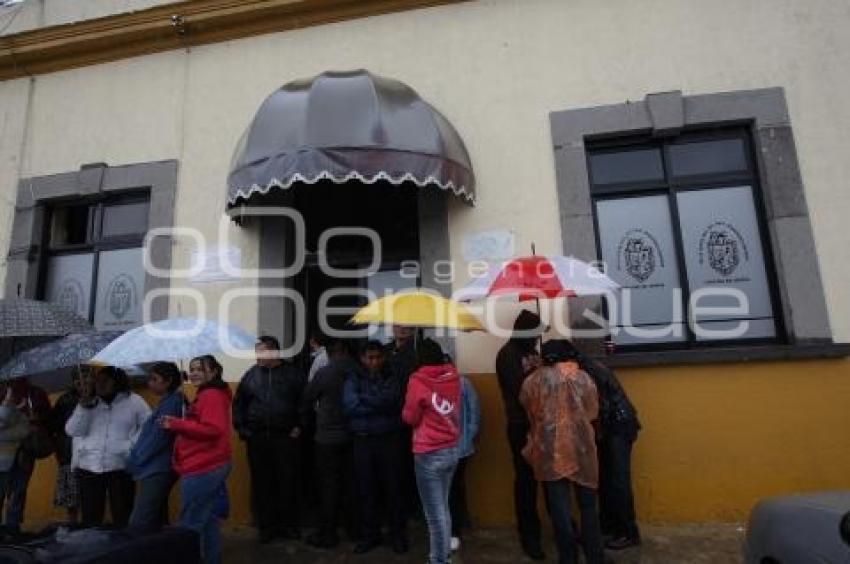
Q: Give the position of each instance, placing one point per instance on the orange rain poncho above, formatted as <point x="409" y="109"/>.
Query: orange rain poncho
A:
<point x="561" y="402"/>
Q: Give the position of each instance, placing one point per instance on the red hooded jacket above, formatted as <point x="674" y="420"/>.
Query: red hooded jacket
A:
<point x="203" y="436"/>
<point x="432" y="407"/>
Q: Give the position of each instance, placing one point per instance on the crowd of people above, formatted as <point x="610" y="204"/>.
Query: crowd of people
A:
<point x="382" y="433"/>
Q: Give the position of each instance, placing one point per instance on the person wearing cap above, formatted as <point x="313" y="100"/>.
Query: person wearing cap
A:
<point x="562" y="405"/>
<point x="515" y="361"/>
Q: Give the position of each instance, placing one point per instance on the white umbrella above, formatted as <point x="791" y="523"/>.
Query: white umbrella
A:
<point x="173" y="339"/>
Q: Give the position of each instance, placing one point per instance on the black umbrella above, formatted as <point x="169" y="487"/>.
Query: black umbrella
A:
<point x="20" y="317"/>
<point x="76" y="348"/>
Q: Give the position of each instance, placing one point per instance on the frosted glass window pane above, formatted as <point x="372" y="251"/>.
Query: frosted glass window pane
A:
<point x="723" y="251"/>
<point x="69" y="280"/>
<point x="637" y="247"/>
<point x="120" y="290"/>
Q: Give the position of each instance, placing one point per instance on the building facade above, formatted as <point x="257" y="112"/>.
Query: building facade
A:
<point x="688" y="145"/>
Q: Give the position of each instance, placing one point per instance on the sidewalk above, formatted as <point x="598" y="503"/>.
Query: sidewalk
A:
<point x="697" y="544"/>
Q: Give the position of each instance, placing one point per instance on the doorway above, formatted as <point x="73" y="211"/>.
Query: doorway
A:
<point x="391" y="212"/>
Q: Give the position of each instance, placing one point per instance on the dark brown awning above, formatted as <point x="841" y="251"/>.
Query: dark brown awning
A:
<point x="343" y="126"/>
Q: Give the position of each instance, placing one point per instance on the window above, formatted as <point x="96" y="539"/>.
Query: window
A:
<point x="94" y="260"/>
<point x="679" y="227"/>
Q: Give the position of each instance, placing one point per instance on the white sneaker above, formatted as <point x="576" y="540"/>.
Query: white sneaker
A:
<point x="455" y="544"/>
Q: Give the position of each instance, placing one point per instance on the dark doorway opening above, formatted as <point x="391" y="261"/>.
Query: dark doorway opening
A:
<point x="390" y="211"/>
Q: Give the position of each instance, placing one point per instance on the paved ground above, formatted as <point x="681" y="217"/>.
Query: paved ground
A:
<point x="690" y="544"/>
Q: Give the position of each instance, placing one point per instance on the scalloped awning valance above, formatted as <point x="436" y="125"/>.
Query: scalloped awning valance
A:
<point x="343" y="126"/>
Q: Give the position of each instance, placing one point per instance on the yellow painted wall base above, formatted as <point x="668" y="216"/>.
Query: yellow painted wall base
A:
<point x="715" y="439"/>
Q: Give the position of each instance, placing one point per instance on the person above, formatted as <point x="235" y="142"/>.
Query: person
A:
<point x="104" y="424"/>
<point x="33" y="402"/>
<point x="332" y="450"/>
<point x="266" y="414"/>
<point x="202" y="453"/>
<point x="67" y="491"/>
<point x="619" y="427"/>
<point x="318" y="354"/>
<point x="515" y="361"/>
<point x="372" y="404"/>
<point x="470" y="423"/>
<point x="561" y="402"/>
<point x="401" y="352"/>
<point x="432" y="407"/>
<point x="150" y="458"/>
<point x="14" y="426"/>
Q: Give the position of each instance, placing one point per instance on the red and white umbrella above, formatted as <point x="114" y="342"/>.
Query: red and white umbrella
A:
<point x="540" y="276"/>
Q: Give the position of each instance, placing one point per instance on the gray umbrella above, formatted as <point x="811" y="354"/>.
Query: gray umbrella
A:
<point x="20" y="317"/>
<point x="343" y="126"/>
<point x="69" y="351"/>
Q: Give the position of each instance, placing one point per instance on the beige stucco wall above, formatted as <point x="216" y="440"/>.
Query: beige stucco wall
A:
<point x="14" y="96"/>
<point x="495" y="68"/>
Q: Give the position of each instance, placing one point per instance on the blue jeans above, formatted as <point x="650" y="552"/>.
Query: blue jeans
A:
<point x="199" y="494"/>
<point x="151" y="506"/>
<point x="434" y="471"/>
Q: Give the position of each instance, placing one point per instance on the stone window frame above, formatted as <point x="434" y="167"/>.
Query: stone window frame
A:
<point x="802" y="302"/>
<point x="36" y="194"/>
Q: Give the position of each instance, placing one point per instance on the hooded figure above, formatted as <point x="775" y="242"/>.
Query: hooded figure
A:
<point x="432" y="407"/>
<point x="561" y="402"/>
<point x="619" y="426"/>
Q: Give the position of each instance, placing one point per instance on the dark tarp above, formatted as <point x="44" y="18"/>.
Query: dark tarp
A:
<point x="343" y="126"/>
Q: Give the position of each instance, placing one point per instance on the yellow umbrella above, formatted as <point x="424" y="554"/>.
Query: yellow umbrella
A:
<point x="418" y="309"/>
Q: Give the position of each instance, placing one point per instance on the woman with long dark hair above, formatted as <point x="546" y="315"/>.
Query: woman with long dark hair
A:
<point x="150" y="457"/>
<point x="202" y="453"/>
<point x="106" y="420"/>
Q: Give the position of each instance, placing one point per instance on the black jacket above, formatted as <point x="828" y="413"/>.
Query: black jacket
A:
<point x="509" y="368"/>
<point x="401" y="362"/>
<point x="59" y="415"/>
<point x="372" y="405"/>
<point x="268" y="400"/>
<point x="323" y="395"/>
<point x="616" y="412"/>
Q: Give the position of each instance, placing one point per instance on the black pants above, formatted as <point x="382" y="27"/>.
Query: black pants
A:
<point x="525" y="488"/>
<point x="273" y="460"/>
<point x="93" y="491"/>
<point x="377" y="464"/>
<point x="457" y="499"/>
<point x="617" y="504"/>
<point x="558" y="502"/>
<point x="335" y="476"/>
<point x="409" y="489"/>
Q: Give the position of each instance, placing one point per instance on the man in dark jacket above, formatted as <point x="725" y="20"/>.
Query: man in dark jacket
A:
<point x="401" y="353"/>
<point x="332" y="451"/>
<point x="266" y="416"/>
<point x="516" y="360"/>
<point x="372" y="401"/>
<point x="619" y="426"/>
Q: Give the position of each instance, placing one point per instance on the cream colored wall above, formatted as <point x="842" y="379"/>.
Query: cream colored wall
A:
<point x="40" y="13"/>
<point x="495" y="68"/>
<point x="14" y="96"/>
